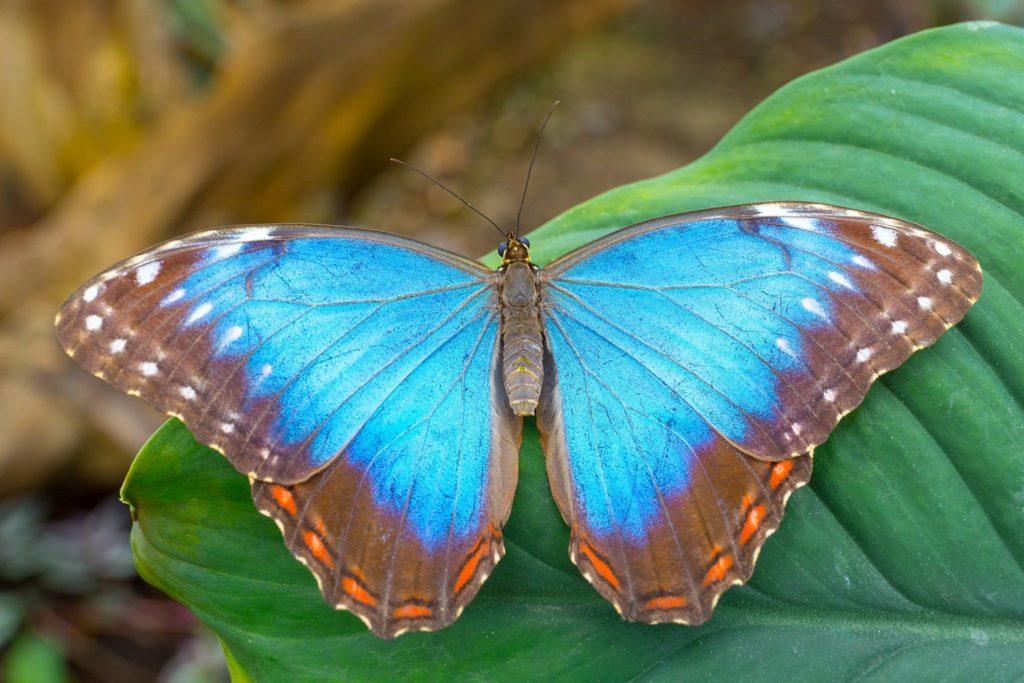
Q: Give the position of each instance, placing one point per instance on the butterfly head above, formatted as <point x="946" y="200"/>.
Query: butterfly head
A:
<point x="514" y="249"/>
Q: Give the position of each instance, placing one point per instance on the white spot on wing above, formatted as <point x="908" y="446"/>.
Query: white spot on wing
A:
<point x="149" y="368"/>
<point x="187" y="393"/>
<point x="862" y="261"/>
<point x="829" y="395"/>
<point x="227" y="427"/>
<point x="256" y="234"/>
<point x="770" y="210"/>
<point x="924" y="302"/>
<point x="176" y="295"/>
<point x="797" y="428"/>
<point x="90" y="293"/>
<point x="942" y="248"/>
<point x="233" y="334"/>
<point x="802" y="223"/>
<point x="812" y="305"/>
<point x="885" y="236"/>
<point x="899" y="326"/>
<point x="266" y="369"/>
<point x="944" y="276"/>
<point x="203" y="309"/>
<point x="840" y="279"/>
<point x="225" y="250"/>
<point x="783" y="345"/>
<point x="93" y="323"/>
<point x="148" y="272"/>
<point x="864" y="354"/>
<point x="117" y="346"/>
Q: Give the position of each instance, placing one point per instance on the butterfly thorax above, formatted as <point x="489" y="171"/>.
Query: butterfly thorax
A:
<point x="522" y="340"/>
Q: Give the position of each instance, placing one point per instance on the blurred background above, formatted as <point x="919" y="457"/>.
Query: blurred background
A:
<point x="127" y="122"/>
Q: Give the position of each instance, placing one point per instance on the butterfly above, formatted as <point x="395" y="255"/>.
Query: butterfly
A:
<point x="373" y="388"/>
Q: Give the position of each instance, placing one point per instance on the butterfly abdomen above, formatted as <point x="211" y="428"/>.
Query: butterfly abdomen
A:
<point x="521" y="338"/>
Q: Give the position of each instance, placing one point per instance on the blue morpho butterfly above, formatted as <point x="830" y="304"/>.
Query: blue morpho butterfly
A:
<point x="371" y="387"/>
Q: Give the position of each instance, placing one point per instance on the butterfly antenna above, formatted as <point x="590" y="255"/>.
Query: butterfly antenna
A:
<point x="451" y="192"/>
<point x="529" y="171"/>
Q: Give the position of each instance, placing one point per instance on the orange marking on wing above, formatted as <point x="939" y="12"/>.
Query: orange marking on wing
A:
<point x="666" y="602"/>
<point x="317" y="547"/>
<point x="753" y="523"/>
<point x="285" y="499"/>
<point x="715" y="549"/>
<point x="748" y="500"/>
<point x="601" y="566"/>
<point x="358" y="593"/>
<point x="411" y="611"/>
<point x="320" y="526"/>
<point x="718" y="570"/>
<point x="780" y="472"/>
<point x="469" y="568"/>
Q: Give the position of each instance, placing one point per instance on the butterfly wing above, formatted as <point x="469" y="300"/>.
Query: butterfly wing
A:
<point x="350" y="374"/>
<point x="705" y="352"/>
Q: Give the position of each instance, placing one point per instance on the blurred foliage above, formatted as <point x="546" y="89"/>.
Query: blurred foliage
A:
<point x="71" y="556"/>
<point x="35" y="659"/>
<point x="197" y="24"/>
<point x="69" y="602"/>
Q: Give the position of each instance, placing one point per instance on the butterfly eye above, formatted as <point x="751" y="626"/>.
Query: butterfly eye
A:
<point x="501" y="248"/>
<point x="525" y="241"/>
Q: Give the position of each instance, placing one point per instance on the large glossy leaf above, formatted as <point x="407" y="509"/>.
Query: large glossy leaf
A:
<point x="902" y="559"/>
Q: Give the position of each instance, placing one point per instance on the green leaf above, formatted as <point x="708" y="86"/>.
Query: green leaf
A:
<point x="903" y="558"/>
<point x="34" y="658"/>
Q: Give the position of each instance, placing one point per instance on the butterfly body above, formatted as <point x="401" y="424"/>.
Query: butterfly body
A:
<point x="522" y="334"/>
<point x="372" y="388"/>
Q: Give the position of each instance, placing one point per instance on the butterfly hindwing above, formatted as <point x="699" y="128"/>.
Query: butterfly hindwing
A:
<point x="692" y="355"/>
<point x="658" y="552"/>
<point x="350" y="375"/>
<point x="360" y="550"/>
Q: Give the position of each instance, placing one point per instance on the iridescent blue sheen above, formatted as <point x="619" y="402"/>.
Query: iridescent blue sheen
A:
<point x="351" y="340"/>
<point x="629" y="433"/>
<point x="703" y="316"/>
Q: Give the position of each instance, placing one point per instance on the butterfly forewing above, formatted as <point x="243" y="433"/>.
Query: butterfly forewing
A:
<point x="699" y="344"/>
<point x="350" y="375"/>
